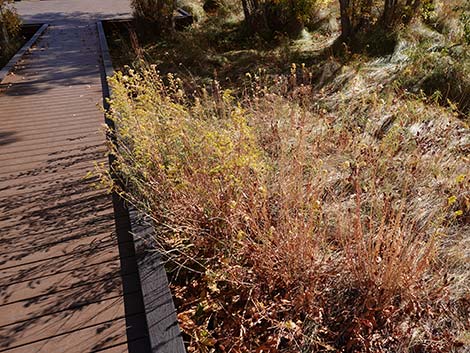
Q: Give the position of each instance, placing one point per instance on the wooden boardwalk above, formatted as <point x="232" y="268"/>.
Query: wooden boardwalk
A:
<point x="64" y="284"/>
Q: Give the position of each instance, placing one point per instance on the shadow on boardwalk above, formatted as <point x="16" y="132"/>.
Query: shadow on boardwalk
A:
<point x="68" y="276"/>
<point x="74" y="66"/>
<point x="58" y="251"/>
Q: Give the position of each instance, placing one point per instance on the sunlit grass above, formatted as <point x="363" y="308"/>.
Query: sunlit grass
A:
<point x="299" y="219"/>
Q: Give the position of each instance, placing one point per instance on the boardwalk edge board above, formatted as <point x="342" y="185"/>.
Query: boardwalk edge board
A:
<point x="24" y="49"/>
<point x="162" y="324"/>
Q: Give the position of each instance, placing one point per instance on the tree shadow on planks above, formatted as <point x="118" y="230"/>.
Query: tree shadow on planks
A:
<point x="74" y="17"/>
<point x="60" y="268"/>
<point x="66" y="55"/>
<point x="7" y="137"/>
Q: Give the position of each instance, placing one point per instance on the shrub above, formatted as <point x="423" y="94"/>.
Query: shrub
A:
<point x="268" y="17"/>
<point x="10" y="28"/>
<point x="362" y="16"/>
<point x="153" y="16"/>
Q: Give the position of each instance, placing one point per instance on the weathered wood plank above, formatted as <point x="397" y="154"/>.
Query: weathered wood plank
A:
<point x="67" y="282"/>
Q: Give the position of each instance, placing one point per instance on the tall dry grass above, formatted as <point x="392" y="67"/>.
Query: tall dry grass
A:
<point x="295" y="220"/>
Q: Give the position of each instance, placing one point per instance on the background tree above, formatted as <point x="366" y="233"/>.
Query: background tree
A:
<point x="399" y="11"/>
<point x="269" y="16"/>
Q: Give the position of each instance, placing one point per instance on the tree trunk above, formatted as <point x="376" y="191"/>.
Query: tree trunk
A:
<point x="255" y="17"/>
<point x="389" y="12"/>
<point x="367" y="11"/>
<point x="346" y="25"/>
<point x="246" y="9"/>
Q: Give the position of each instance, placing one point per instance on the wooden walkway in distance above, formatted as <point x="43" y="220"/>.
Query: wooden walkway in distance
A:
<point x="64" y="284"/>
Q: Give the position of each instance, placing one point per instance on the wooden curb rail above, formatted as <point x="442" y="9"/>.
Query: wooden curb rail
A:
<point x="163" y="330"/>
<point x="24" y="49"/>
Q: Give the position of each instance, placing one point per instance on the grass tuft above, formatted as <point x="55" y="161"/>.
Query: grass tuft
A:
<point x="301" y="220"/>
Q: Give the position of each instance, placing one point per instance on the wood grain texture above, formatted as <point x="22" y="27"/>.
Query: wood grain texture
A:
<point x="68" y="275"/>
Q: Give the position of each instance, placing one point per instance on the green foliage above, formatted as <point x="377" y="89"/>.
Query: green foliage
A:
<point x="428" y="11"/>
<point x="10" y="26"/>
<point x="300" y="9"/>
